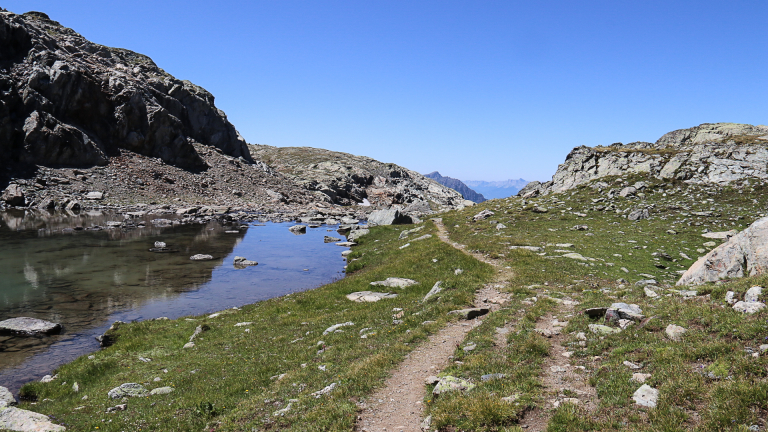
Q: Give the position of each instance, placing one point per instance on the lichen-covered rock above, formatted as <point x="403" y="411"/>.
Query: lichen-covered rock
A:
<point x="26" y="326"/>
<point x="450" y="384"/>
<point x="744" y="254"/>
<point x="128" y="390"/>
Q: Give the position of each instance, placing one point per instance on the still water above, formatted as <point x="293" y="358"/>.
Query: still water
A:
<point x="55" y="267"/>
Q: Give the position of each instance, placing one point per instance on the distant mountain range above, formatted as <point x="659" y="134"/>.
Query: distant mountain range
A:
<point x="496" y="189"/>
<point x="456" y="185"/>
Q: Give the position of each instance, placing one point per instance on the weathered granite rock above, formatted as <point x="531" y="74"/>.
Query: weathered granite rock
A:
<point x="718" y="153"/>
<point x="369" y="296"/>
<point x="451" y="384"/>
<point x="20" y="420"/>
<point x="746" y="253"/>
<point x="395" y="282"/>
<point x="127" y="390"/>
<point x="750" y="307"/>
<point x="161" y="391"/>
<point x="646" y="396"/>
<point x="675" y="332"/>
<point x="356" y="234"/>
<point x="753" y="294"/>
<point x="329" y="239"/>
<point x="6" y="397"/>
<point x="638" y="214"/>
<point x="436" y="289"/>
<point x="26" y="326"/>
<point x="388" y="217"/>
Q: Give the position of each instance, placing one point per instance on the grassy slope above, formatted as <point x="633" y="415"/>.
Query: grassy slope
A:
<point x="719" y="340"/>
<point x="224" y="383"/>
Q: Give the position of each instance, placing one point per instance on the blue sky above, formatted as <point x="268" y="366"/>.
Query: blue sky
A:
<point x="478" y="90"/>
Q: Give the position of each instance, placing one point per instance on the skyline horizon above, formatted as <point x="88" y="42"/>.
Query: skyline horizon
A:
<point x="492" y="92"/>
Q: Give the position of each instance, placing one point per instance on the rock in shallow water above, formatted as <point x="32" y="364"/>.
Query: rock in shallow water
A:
<point x="26" y="326"/>
<point x="201" y="257"/>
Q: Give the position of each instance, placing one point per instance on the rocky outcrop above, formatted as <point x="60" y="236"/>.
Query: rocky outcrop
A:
<point x="347" y="179"/>
<point x="718" y="153"/>
<point x="744" y="254"/>
<point x="65" y="101"/>
<point x="456" y="185"/>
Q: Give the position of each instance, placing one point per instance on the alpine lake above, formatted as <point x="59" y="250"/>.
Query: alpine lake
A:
<point x="85" y="271"/>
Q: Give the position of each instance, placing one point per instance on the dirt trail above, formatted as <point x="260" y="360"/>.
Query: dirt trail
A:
<point x="398" y="405"/>
<point x="562" y="381"/>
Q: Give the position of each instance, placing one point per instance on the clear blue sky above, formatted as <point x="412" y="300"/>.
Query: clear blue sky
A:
<point x="479" y="90"/>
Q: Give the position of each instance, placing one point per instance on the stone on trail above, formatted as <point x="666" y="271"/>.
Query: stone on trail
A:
<point x="26" y="326"/>
<point x="128" y="390"/>
<point x="395" y="282"/>
<point x="450" y="384"/>
<point x="674" y="332"/>
<point x="646" y="396"/>
<point x="749" y="307"/>
<point x="20" y="420"/>
<point x="201" y="257"/>
<point x="6" y="397"/>
<point x="436" y="289"/>
<point x="369" y="296"/>
<point x="298" y="229"/>
<point x="470" y="313"/>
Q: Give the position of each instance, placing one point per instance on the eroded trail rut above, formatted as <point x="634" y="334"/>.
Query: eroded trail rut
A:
<point x="398" y="405"/>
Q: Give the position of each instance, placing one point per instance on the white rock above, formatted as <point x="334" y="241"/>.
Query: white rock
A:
<point x="729" y="297"/>
<point x="674" y="332"/>
<point x="369" y="296"/>
<point x="16" y="419"/>
<point x="646" y="396"/>
<point x="753" y="294"/>
<point x="6" y="397"/>
<point x="395" y="282"/>
<point x="335" y="327"/>
<point x="640" y="377"/>
<point x="749" y="307"/>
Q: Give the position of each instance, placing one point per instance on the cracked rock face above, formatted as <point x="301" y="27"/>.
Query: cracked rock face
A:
<point x="718" y="153"/>
<point x="65" y="101"/>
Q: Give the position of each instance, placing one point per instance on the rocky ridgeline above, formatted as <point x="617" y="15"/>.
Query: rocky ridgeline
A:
<point x="68" y="101"/>
<point x="718" y="153"/>
<point x="83" y="125"/>
<point x="346" y="179"/>
<point x="456" y="185"/>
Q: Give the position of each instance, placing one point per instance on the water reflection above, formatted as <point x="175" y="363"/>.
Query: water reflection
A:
<point x="78" y="271"/>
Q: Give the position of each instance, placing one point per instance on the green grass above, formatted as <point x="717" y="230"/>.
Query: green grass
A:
<point x="225" y="383"/>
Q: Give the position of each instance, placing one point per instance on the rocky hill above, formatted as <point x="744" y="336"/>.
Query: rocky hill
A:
<point x="346" y="179"/>
<point x="718" y="153"/>
<point x="85" y="123"/>
<point x="456" y="185"/>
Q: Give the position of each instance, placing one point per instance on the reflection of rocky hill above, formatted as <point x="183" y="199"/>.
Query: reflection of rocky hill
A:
<point x="343" y="178"/>
<point x="718" y="153"/>
<point x="80" y="279"/>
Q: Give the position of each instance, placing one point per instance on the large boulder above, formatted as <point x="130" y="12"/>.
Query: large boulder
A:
<point x="14" y="195"/>
<point x="388" y="217"/>
<point x="16" y="419"/>
<point x="26" y="326"/>
<point x="745" y="254"/>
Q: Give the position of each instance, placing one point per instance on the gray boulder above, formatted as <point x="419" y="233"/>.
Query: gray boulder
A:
<point x="638" y="214"/>
<point x="395" y="282"/>
<point x="744" y="254"/>
<point x="369" y="296"/>
<point x="25" y="326"/>
<point x="298" y="229"/>
<point x="388" y="217"/>
<point x="6" y="397"/>
<point x="20" y="420"/>
<point x="242" y="262"/>
<point x="128" y="390"/>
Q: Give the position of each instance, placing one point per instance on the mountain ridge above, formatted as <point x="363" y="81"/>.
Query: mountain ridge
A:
<point x="457" y="185"/>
